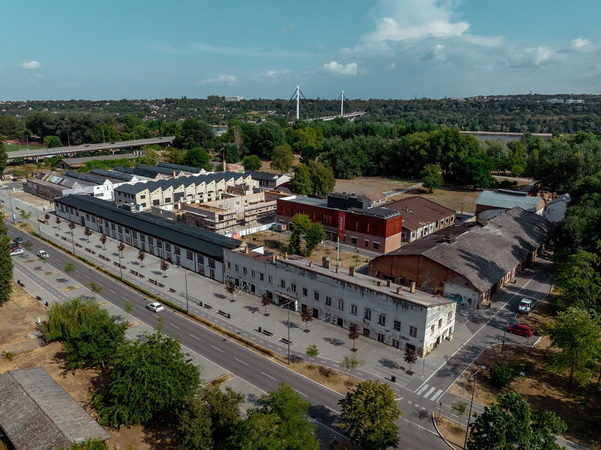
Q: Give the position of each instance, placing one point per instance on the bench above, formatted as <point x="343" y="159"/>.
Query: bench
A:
<point x="161" y="285"/>
<point x="286" y="341"/>
<point x="173" y="291"/>
<point x="207" y="306"/>
<point x="265" y="332"/>
<point x="224" y="314"/>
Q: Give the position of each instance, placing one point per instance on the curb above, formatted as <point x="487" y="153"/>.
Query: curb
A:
<point x="440" y="434"/>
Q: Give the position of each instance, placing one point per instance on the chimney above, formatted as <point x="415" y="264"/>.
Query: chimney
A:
<point x="325" y="261"/>
<point x="399" y="290"/>
<point x="310" y="263"/>
<point x="273" y="258"/>
<point x="285" y="255"/>
<point x="412" y="287"/>
<point x="388" y="283"/>
<point x="351" y="271"/>
<point x="246" y="250"/>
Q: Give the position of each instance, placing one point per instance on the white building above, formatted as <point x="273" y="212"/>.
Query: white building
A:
<point x="555" y="210"/>
<point x="382" y="311"/>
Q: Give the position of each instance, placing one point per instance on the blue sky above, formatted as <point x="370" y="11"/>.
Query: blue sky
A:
<point x="399" y="49"/>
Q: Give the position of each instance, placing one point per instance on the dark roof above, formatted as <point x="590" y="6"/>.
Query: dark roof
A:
<point x="180" y="167"/>
<point x="36" y="413"/>
<point x="86" y="159"/>
<point x="85" y="177"/>
<point x="381" y="213"/>
<point x="192" y="238"/>
<point x="418" y="211"/>
<point x="113" y="174"/>
<point x="132" y="188"/>
<point x="144" y="169"/>
<point x="485" y="254"/>
<point x="262" y="175"/>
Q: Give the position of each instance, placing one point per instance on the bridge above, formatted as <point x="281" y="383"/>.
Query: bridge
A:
<point x="349" y="116"/>
<point x="41" y="153"/>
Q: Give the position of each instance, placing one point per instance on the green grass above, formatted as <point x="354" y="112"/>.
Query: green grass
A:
<point x="14" y="147"/>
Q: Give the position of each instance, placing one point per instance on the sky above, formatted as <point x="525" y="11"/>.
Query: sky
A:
<point x="385" y="49"/>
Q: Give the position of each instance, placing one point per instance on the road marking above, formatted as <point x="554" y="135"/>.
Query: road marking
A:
<point x="217" y="348"/>
<point x="240" y="361"/>
<point x="422" y="389"/>
<point x="269" y="376"/>
<point x="305" y="395"/>
<point x="175" y="326"/>
<point x="432" y="389"/>
<point x="438" y="394"/>
<point x="195" y="337"/>
<point x="398" y="399"/>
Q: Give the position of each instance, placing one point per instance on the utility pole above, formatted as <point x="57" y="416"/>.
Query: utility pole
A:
<point x="342" y="104"/>
<point x="297" y="102"/>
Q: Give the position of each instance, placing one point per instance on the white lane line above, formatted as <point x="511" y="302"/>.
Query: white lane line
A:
<point x="240" y="361"/>
<point x="422" y="389"/>
<point x="304" y="395"/>
<point x="175" y="326"/>
<point x="269" y="376"/>
<point x="110" y="290"/>
<point x="195" y="337"/>
<point x="435" y="396"/>
<point x="432" y="389"/>
<point x="217" y="348"/>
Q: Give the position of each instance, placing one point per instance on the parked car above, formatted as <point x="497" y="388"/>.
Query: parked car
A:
<point x="16" y="251"/>
<point x="525" y="306"/>
<point x="18" y="240"/>
<point x="43" y="254"/>
<point x="155" y="307"/>
<point x="521" y="329"/>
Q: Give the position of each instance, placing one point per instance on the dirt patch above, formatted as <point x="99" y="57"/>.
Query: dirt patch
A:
<point x="452" y="431"/>
<point x="370" y="186"/>
<point x="544" y="390"/>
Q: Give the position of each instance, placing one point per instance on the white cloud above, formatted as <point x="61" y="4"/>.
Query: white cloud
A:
<point x="436" y="54"/>
<point x="31" y="65"/>
<point x="341" y="69"/>
<point x="532" y="58"/>
<point x="272" y="75"/>
<point x="579" y="45"/>
<point x="390" y="66"/>
<point x="221" y="78"/>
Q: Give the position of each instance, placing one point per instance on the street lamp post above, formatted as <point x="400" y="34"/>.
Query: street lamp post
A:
<point x="186" y="284"/>
<point x="12" y="212"/>
<point x="469" y="417"/>
<point x="287" y="305"/>
<point x="505" y="333"/>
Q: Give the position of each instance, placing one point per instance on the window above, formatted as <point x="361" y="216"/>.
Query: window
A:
<point x="366" y="243"/>
<point x="237" y="268"/>
<point x="143" y="237"/>
<point x="328" y="301"/>
<point x="134" y="234"/>
<point x="168" y="247"/>
<point x="397" y="325"/>
<point x="261" y="276"/>
<point x="229" y="265"/>
<point x="269" y="279"/>
<point x="412" y="331"/>
<point x="432" y="329"/>
<point x="316" y="297"/>
<point x="340" y="304"/>
<point x="211" y="263"/>
<point x="189" y="255"/>
<point x="353" y="240"/>
<point x="304" y="292"/>
<point x="439" y="323"/>
<point x="354" y="310"/>
<point x="382" y="319"/>
<point x="293" y="287"/>
<point x="283" y="283"/>
<point x="253" y="274"/>
<point x="367" y="314"/>
<point x="244" y="270"/>
<point x="396" y="343"/>
<point x="376" y="245"/>
<point x="449" y="316"/>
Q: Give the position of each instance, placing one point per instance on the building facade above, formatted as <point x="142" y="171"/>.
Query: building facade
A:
<point x="382" y="311"/>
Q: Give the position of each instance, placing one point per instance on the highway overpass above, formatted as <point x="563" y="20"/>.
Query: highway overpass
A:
<point x="40" y="153"/>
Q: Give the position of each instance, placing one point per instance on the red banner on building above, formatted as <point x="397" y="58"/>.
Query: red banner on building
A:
<point x="341" y="226"/>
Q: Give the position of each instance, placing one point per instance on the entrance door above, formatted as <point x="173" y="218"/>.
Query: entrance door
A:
<point x="315" y="313"/>
<point x="366" y="332"/>
<point x="340" y="322"/>
<point x="380" y="337"/>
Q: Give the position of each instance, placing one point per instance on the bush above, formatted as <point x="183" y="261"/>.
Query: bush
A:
<point x="501" y="374"/>
<point x="10" y="355"/>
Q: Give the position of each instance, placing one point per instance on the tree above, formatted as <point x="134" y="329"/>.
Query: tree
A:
<point x="299" y="225"/>
<point x="350" y="362"/>
<point x="95" y="287"/>
<point x="265" y="301"/>
<point x="282" y="158"/>
<point x="211" y="419"/>
<point x="198" y="157"/>
<point x="24" y="214"/>
<point x="312" y="179"/>
<point x="194" y="133"/>
<point x="431" y="177"/>
<point x="164" y="267"/>
<point x="459" y="408"/>
<point x="576" y="332"/>
<point x="103" y="239"/>
<point x="270" y="136"/>
<point x="314" y="236"/>
<point x="353" y="333"/>
<point x="174" y="155"/>
<point x="150" y="378"/>
<point x="579" y="281"/>
<point x="69" y="267"/>
<point x="52" y="142"/>
<point x="3" y="155"/>
<point x="88" y="233"/>
<point x="128" y="307"/>
<point x="368" y="415"/>
<point x="58" y="222"/>
<point x="151" y="157"/>
<point x="312" y="351"/>
<point x="251" y="162"/>
<point x="230" y="288"/>
<point x="6" y="264"/>
<point x="306" y="317"/>
<point x="141" y="257"/>
<point x="410" y="357"/>
<point x="281" y="421"/>
<point x="120" y="248"/>
<point x="508" y="423"/>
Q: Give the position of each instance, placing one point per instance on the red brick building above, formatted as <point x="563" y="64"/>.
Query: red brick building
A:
<point x="350" y="218"/>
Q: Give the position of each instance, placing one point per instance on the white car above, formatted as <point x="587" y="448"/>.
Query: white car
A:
<point x="155" y="307"/>
<point x="16" y="251"/>
<point x="43" y="254"/>
<point x="525" y="306"/>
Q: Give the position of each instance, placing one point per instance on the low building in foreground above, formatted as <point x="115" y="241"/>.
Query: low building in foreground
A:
<point x="391" y="314"/>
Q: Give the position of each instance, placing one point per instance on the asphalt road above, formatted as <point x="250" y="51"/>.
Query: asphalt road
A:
<point x="231" y="356"/>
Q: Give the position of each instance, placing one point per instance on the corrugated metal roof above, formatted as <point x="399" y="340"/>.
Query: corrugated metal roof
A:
<point x="418" y="211"/>
<point x="506" y="200"/>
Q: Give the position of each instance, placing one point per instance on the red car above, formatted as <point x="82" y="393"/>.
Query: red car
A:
<point x="521" y="329"/>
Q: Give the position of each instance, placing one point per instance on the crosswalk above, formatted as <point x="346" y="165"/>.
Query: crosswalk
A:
<point x="429" y="392"/>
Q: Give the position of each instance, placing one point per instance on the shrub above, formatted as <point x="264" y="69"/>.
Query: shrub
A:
<point x="501" y="374"/>
<point x="10" y="355"/>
